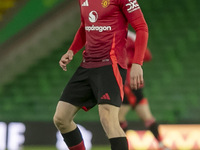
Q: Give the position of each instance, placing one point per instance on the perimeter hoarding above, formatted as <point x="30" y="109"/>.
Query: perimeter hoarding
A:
<point x="14" y="135"/>
<point x="175" y="137"/>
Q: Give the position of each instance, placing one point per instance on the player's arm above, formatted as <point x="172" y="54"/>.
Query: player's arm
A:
<point x="147" y="56"/>
<point x="130" y="47"/>
<point x="135" y="17"/>
<point x="79" y="39"/>
<point x="136" y="73"/>
<point x="77" y="44"/>
<point x="141" y="40"/>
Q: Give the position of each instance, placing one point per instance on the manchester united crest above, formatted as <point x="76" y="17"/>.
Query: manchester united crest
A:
<point x="105" y="3"/>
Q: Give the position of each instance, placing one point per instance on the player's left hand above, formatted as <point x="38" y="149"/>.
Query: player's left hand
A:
<point x="136" y="76"/>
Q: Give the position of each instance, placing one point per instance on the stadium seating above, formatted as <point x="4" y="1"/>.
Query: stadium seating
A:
<point x="171" y="79"/>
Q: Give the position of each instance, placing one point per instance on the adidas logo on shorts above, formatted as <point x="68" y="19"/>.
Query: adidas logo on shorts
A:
<point x="106" y="96"/>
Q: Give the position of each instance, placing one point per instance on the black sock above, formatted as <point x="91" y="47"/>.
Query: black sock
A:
<point x="73" y="138"/>
<point x="119" y="143"/>
<point x="154" y="129"/>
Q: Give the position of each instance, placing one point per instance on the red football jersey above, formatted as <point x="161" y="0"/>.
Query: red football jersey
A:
<point x="103" y="32"/>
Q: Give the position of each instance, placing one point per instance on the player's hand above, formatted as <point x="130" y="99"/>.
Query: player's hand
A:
<point x="136" y="76"/>
<point x="66" y="59"/>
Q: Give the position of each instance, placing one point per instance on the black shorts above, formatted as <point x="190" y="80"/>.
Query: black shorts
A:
<point x="132" y="97"/>
<point x="91" y="86"/>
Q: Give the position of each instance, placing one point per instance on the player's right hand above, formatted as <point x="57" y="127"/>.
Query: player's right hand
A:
<point x="66" y="59"/>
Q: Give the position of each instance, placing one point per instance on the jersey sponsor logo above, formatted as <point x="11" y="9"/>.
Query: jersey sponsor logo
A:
<point x="105" y="3"/>
<point x="133" y="5"/>
<point x="93" y="16"/>
<point x="97" y="28"/>
<point x="106" y="96"/>
<point x="85" y="3"/>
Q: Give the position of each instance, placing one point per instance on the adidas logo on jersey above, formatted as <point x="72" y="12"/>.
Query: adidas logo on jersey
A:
<point x="85" y="3"/>
<point x="106" y="96"/>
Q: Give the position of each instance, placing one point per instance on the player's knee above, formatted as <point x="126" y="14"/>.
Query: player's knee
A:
<point x="59" y="122"/>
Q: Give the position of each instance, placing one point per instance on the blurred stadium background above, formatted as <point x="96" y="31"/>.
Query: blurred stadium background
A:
<point x="35" y="33"/>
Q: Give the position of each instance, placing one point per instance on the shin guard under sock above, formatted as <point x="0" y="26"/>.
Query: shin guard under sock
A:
<point x="119" y="143"/>
<point x="74" y="140"/>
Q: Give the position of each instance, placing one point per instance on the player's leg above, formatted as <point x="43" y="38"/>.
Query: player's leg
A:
<point x="128" y="102"/>
<point x="70" y="102"/>
<point x="124" y="109"/>
<point x="109" y="119"/>
<point x="142" y="108"/>
<point x="63" y="117"/>
<point x="110" y="122"/>
<point x="63" y="120"/>
<point x="144" y="112"/>
<point x="108" y="88"/>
